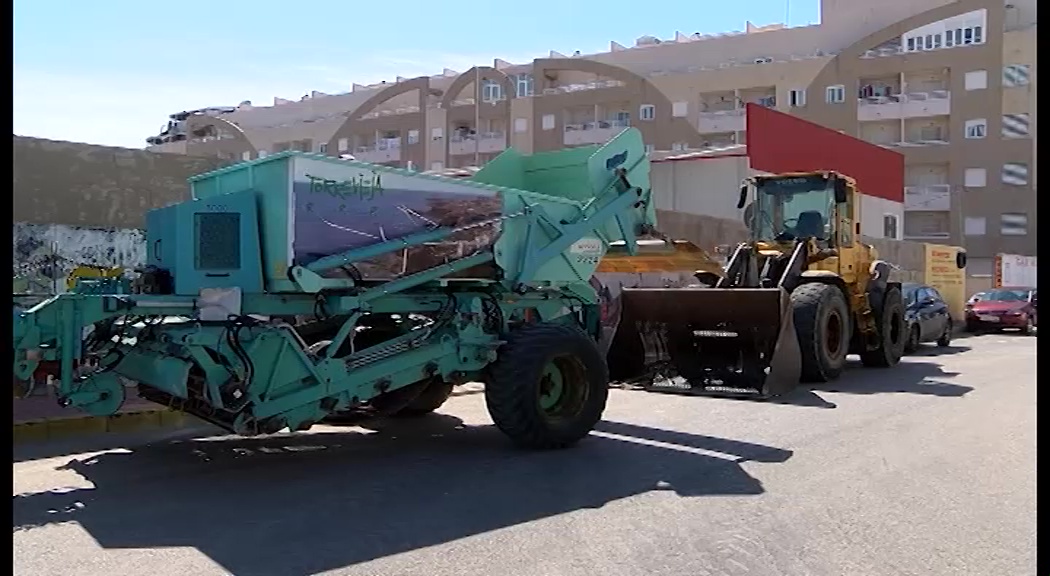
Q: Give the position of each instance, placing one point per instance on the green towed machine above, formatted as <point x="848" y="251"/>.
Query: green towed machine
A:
<point x="300" y="287"/>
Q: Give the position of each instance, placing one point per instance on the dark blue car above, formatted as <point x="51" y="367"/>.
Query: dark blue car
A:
<point x="926" y="315"/>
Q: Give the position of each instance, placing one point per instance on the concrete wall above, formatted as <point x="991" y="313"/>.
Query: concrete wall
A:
<point x="43" y="255"/>
<point x="83" y="185"/>
<point x="81" y="204"/>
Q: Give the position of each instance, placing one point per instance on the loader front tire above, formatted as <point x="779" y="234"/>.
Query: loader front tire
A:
<point x="548" y="387"/>
<point x="892" y="332"/>
<point x="822" y="322"/>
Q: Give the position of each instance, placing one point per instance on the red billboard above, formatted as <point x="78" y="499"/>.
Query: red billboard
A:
<point x="778" y="142"/>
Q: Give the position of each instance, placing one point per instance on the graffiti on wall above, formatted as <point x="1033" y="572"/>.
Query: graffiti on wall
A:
<point x="45" y="254"/>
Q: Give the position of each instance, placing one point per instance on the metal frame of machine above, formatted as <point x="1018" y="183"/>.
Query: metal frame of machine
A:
<point x="226" y="324"/>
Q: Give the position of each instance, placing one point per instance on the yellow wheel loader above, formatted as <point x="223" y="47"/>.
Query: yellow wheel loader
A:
<point x="789" y="305"/>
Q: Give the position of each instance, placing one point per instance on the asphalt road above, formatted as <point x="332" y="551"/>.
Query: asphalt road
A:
<point x="925" y="470"/>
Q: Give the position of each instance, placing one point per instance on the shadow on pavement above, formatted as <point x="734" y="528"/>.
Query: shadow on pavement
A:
<point x="912" y="377"/>
<point x="308" y="503"/>
<point x="932" y="350"/>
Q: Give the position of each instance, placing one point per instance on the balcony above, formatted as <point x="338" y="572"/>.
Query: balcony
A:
<point x="932" y="197"/>
<point x="598" y="132"/>
<point x="382" y="152"/>
<point x="927" y="225"/>
<point x="721" y="121"/>
<point x="899" y="106"/>
<point x="484" y="143"/>
<point x="596" y="85"/>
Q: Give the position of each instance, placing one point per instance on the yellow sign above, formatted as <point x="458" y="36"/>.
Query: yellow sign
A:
<point x="943" y="274"/>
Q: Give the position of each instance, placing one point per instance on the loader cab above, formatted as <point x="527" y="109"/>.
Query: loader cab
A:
<point x="789" y="207"/>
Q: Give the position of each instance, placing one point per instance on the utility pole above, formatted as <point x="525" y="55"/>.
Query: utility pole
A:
<point x="479" y="97"/>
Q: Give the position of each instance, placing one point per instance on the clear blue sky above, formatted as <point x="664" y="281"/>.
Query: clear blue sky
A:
<point x="110" y="72"/>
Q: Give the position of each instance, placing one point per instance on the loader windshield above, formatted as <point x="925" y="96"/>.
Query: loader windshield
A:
<point x="790" y="207"/>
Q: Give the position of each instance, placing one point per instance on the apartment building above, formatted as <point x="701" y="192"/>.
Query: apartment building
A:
<point x="950" y="85"/>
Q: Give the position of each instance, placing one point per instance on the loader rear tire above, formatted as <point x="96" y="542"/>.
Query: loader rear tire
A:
<point x="548" y="387"/>
<point x="892" y="332"/>
<point x="430" y="399"/>
<point x="822" y="322"/>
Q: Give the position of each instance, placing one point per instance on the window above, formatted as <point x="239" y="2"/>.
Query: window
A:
<point x="975" y="226"/>
<point x="1013" y="224"/>
<point x="548" y="122"/>
<point x="263" y="153"/>
<point x="322" y="148"/>
<point x="523" y="84"/>
<point x="835" y="94"/>
<point x="936" y="41"/>
<point x="648" y="148"/>
<point x="437" y="166"/>
<point x="889" y="226"/>
<point x="929" y="41"/>
<point x="958" y="36"/>
<point x="975" y="177"/>
<point x="680" y="109"/>
<point x="1016" y="75"/>
<point x="246" y="155"/>
<point x="968" y="36"/>
<point x="678" y="146"/>
<point x="1016" y="125"/>
<point x="977" y="35"/>
<point x="491" y="91"/>
<point x="413" y="136"/>
<point x="647" y="111"/>
<point x="949" y="38"/>
<point x="1015" y="174"/>
<point x="976" y="80"/>
<point x="911" y="44"/>
<point x="437" y="133"/>
<point x="975" y="129"/>
<point x="918" y="43"/>
<point x="343" y="144"/>
<point x="797" y="98"/>
<point x="521" y="125"/>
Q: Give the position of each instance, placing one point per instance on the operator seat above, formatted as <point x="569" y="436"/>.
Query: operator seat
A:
<point x="810" y="224"/>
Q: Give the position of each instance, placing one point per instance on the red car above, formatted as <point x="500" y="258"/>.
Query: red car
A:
<point x="999" y="308"/>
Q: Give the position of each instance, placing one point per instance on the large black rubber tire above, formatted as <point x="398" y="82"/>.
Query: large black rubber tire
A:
<point x="430" y="399"/>
<point x="513" y="389"/>
<point x="892" y="332"/>
<point x="821" y="316"/>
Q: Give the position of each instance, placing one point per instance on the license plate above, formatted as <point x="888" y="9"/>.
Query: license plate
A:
<point x="986" y="318"/>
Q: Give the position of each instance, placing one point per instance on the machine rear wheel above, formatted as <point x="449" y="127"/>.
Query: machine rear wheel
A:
<point x="549" y="386"/>
<point x="891" y="333"/>
<point x="822" y="322"/>
<point x="430" y="399"/>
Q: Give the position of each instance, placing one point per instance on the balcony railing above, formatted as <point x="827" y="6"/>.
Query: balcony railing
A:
<point x="483" y="143"/>
<point x="933" y="197"/>
<point x="596" y="85"/>
<point x="599" y="125"/>
<point x="385" y="150"/>
<point x="910" y="105"/>
<point x="598" y="132"/>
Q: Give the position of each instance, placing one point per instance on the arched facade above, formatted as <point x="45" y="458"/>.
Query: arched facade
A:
<point x="356" y="124"/>
<point x="231" y="145"/>
<point x="494" y="116"/>
<point x="662" y="131"/>
<point x="989" y="153"/>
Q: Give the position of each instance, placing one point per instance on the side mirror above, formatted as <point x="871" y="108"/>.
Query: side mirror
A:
<point x="743" y="197"/>
<point x="841" y="191"/>
<point x="960" y="260"/>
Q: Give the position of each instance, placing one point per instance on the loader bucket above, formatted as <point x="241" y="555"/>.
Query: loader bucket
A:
<point x="717" y="341"/>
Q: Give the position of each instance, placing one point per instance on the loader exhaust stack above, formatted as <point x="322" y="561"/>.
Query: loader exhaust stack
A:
<point x="718" y="341"/>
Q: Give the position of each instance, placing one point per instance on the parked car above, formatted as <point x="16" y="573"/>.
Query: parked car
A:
<point x="1002" y="308"/>
<point x="926" y="316"/>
